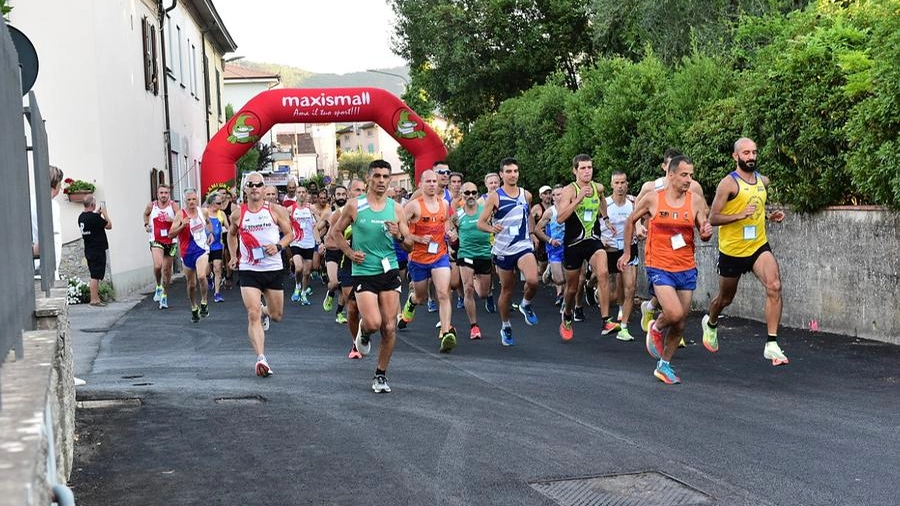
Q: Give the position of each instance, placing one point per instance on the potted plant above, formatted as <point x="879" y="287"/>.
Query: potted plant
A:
<point x="76" y="189"/>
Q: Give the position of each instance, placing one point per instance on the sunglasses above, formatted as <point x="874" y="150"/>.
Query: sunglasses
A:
<point x="255" y="185"/>
<point x="471" y="192"/>
<point x="442" y="172"/>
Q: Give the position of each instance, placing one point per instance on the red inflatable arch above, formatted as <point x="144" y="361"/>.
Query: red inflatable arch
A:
<point x="317" y="105"/>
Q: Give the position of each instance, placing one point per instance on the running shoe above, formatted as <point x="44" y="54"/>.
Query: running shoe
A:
<point x="265" y="322"/>
<point x="308" y="291"/>
<point x="164" y="301"/>
<point x="218" y="298"/>
<point x="565" y="329"/>
<point x="489" y="305"/>
<point x="665" y="373"/>
<point x="773" y="352"/>
<point x="528" y="313"/>
<point x="590" y="296"/>
<point x="353" y="355"/>
<point x="304" y="299"/>
<point x="559" y="301"/>
<point x="380" y="385"/>
<point x="448" y="341"/>
<point x="710" y="335"/>
<point x="195" y="315"/>
<point x="506" y="337"/>
<point x="609" y="327"/>
<point x="624" y="335"/>
<point x="460" y="303"/>
<point x="363" y="344"/>
<point x="681" y="343"/>
<point x="209" y="283"/>
<point x="620" y="314"/>
<point x="579" y="314"/>
<point x="262" y="368"/>
<point x="328" y="303"/>
<point x="475" y="333"/>
<point x="432" y="306"/>
<point x="401" y="323"/>
<point x="409" y="310"/>
<point x="157" y="294"/>
<point x="204" y="310"/>
<point x="340" y="318"/>
<point x="437" y="325"/>
<point x="646" y="315"/>
<point x="655" y="340"/>
<point x="295" y="297"/>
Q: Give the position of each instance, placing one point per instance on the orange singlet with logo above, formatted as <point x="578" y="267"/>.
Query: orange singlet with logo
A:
<point x="670" y="236"/>
<point x="430" y="223"/>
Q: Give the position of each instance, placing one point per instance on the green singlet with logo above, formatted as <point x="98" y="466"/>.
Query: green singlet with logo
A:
<point x="371" y="236"/>
<point x="581" y="222"/>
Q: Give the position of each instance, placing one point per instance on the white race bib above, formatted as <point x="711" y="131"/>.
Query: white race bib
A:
<point x="164" y="232"/>
<point x="385" y="264"/>
<point x="432" y="247"/>
<point x="749" y="232"/>
<point x="678" y="241"/>
<point x="258" y="253"/>
<point x="588" y="215"/>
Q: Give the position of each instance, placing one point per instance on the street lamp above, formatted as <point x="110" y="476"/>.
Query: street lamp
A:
<point x="404" y="78"/>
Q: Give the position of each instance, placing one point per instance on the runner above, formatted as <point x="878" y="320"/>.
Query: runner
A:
<point x="306" y="241"/>
<point x="552" y="232"/>
<point x="474" y="257"/>
<point x="671" y="268"/>
<point x="506" y="215"/>
<point x="158" y="218"/>
<point x="218" y="222"/>
<point x="262" y="231"/>
<point x="739" y="209"/>
<point x="333" y="256"/>
<point x="428" y="217"/>
<point x="377" y="221"/>
<point x="540" y="247"/>
<point x="290" y="194"/>
<point x="581" y="207"/>
<point x="194" y="236"/>
<point x="620" y="205"/>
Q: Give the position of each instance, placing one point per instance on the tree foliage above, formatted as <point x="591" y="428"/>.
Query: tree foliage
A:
<point x="470" y="55"/>
<point x="354" y="163"/>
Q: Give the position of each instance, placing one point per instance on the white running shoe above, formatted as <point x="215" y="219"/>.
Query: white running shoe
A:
<point x="773" y="352"/>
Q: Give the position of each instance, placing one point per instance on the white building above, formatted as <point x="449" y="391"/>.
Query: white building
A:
<point x="129" y="102"/>
<point x="369" y="137"/>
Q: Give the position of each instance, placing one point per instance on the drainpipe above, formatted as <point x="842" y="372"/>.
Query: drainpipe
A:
<point x="167" y="133"/>
<point x="206" y="84"/>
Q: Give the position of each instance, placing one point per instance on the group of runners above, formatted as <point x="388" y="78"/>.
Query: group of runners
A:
<point x="448" y="238"/>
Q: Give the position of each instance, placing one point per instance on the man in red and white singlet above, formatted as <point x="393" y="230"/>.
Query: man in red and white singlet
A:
<point x="159" y="216"/>
<point x="673" y="212"/>
<point x="306" y="241"/>
<point x="261" y="230"/>
<point x="194" y="234"/>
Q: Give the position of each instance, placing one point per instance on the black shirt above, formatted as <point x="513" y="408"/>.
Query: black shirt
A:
<point x="93" y="231"/>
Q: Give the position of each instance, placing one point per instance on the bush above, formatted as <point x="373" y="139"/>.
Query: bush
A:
<point x="77" y="291"/>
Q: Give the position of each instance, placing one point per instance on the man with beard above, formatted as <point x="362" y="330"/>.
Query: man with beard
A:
<point x="739" y="209"/>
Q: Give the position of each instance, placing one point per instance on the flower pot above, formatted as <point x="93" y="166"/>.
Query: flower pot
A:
<point x="78" y="196"/>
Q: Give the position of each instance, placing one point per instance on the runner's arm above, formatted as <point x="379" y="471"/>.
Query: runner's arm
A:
<point x="336" y="234"/>
<point x="541" y="224"/>
<point x="484" y="221"/>
<point x="727" y="187"/>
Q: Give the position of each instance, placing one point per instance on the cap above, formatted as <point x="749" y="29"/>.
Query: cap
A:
<point x="544" y="188"/>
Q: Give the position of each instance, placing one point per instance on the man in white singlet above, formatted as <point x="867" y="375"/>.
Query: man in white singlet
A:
<point x="262" y="231"/>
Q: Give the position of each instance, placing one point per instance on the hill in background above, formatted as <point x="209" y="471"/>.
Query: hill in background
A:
<point x="294" y="77"/>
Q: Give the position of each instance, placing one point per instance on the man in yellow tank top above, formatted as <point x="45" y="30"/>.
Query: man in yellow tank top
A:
<point x="739" y="209"/>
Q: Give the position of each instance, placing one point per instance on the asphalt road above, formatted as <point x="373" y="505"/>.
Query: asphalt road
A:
<point x="484" y="425"/>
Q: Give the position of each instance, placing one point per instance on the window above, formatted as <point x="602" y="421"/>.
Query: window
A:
<point x="180" y="57"/>
<point x="193" y="64"/>
<point x="151" y="68"/>
<point x="369" y="133"/>
<point x="371" y="148"/>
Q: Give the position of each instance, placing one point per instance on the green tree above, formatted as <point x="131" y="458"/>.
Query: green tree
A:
<point x="470" y="55"/>
<point x="354" y="163"/>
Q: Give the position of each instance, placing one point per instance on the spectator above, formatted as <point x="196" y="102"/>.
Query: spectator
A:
<point x="94" y="223"/>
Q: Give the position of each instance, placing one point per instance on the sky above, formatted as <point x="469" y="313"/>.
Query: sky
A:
<point x="322" y="36"/>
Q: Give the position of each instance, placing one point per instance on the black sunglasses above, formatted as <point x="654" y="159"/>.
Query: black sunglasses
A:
<point x="471" y="192"/>
<point x="442" y="172"/>
<point x="255" y="185"/>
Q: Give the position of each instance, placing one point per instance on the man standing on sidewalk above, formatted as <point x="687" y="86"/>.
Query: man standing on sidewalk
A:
<point x="93" y="224"/>
<point x="739" y="208"/>
<point x="262" y="231"/>
<point x="377" y="222"/>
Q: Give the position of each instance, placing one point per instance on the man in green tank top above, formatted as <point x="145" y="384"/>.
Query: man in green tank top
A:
<point x="474" y="256"/>
<point x="377" y="222"/>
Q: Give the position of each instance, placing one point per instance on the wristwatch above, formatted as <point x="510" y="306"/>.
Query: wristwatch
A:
<point x="278" y="246"/>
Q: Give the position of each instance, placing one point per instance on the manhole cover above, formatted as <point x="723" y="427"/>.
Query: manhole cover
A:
<point x="109" y="403"/>
<point x="637" y="489"/>
<point x="250" y="399"/>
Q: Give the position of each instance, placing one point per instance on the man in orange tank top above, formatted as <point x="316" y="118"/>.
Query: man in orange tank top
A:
<point x="429" y="217"/>
<point x="673" y="212"/>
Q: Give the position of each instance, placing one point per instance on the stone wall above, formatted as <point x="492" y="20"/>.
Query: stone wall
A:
<point x="37" y="419"/>
<point x="839" y="267"/>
